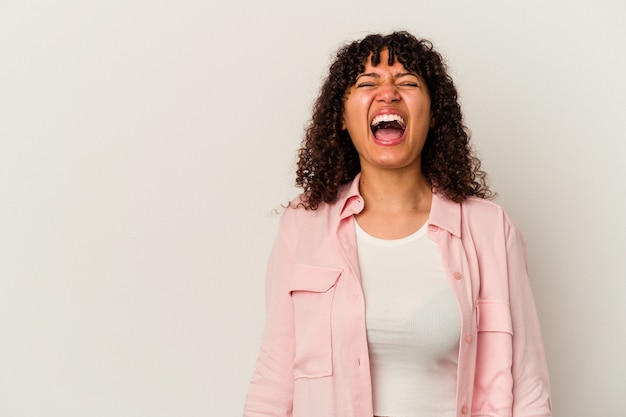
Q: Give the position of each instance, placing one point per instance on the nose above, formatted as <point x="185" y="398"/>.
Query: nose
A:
<point x="388" y="93"/>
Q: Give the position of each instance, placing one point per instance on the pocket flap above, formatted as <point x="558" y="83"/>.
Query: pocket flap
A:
<point x="313" y="278"/>
<point x="494" y="316"/>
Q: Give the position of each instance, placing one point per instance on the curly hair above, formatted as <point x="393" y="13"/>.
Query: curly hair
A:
<point x="327" y="159"/>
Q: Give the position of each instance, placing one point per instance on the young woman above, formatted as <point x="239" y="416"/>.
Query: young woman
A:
<point x="395" y="287"/>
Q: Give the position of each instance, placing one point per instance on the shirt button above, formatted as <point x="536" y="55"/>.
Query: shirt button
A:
<point x="457" y="276"/>
<point x="464" y="409"/>
<point x="468" y="339"/>
<point x="433" y="228"/>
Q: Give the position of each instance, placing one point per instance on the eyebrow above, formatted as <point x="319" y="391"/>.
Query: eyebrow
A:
<point x="376" y="75"/>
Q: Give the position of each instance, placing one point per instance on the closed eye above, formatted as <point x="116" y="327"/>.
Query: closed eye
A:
<point x="408" y="79"/>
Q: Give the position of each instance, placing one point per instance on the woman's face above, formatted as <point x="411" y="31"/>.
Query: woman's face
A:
<point x="387" y="114"/>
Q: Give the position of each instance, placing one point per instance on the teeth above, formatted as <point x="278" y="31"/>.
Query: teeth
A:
<point x="388" y="118"/>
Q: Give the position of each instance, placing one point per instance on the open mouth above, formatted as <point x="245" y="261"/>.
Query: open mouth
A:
<point x="388" y="127"/>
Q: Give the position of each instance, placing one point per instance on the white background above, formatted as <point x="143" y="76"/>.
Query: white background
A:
<point x="146" y="145"/>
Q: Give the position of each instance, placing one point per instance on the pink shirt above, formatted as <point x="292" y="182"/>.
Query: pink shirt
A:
<point x="314" y="360"/>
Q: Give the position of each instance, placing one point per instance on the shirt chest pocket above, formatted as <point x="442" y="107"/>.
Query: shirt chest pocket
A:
<point x="312" y="291"/>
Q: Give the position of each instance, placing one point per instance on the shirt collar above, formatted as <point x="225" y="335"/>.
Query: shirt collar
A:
<point x="444" y="213"/>
<point x="349" y="200"/>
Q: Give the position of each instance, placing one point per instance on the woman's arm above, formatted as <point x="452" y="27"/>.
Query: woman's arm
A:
<point x="271" y="388"/>
<point x="531" y="387"/>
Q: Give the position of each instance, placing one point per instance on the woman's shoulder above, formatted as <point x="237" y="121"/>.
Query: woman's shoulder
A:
<point x="445" y="208"/>
<point x="298" y="210"/>
<point x="478" y="205"/>
<point x="299" y="206"/>
<point x="480" y="213"/>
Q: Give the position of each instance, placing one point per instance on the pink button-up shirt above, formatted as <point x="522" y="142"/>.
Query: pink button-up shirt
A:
<point x="314" y="358"/>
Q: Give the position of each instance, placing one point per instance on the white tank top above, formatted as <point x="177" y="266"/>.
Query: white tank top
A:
<point x="413" y="325"/>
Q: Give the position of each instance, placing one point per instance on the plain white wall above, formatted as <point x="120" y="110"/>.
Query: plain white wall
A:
<point x="146" y="145"/>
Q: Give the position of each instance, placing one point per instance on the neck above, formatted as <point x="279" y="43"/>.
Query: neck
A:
<point x="394" y="191"/>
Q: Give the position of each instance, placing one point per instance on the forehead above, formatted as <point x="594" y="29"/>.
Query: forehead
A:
<point x="383" y="70"/>
<point x="382" y="62"/>
<point x="384" y="67"/>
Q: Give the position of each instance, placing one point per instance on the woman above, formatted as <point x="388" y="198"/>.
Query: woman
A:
<point x="395" y="288"/>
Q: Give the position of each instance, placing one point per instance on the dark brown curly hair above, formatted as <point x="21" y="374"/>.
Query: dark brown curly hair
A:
<point x="327" y="158"/>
